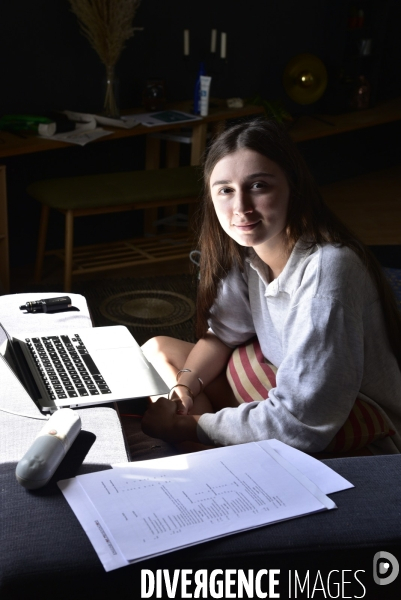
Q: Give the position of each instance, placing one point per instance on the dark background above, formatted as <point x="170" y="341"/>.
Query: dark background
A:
<point x="48" y="64"/>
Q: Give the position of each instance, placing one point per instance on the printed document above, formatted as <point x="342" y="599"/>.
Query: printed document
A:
<point x="86" y="127"/>
<point x="143" y="509"/>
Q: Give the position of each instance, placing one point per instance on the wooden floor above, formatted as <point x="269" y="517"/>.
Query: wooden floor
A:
<point x="370" y="205"/>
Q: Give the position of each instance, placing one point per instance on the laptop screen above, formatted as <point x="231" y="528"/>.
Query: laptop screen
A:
<point x="5" y="343"/>
<point x="15" y="359"/>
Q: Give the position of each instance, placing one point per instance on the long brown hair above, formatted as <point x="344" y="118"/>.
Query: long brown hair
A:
<point x="308" y="217"/>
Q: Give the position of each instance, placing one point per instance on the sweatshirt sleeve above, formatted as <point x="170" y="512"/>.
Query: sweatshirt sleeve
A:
<point x="316" y="383"/>
<point x="230" y="316"/>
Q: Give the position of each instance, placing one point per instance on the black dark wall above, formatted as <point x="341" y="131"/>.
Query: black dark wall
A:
<point x="47" y="63"/>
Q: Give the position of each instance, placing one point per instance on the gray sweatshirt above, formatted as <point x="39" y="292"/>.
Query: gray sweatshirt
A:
<point x="321" y="324"/>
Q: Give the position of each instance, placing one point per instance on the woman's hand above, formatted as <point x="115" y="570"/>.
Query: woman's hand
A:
<point x="184" y="403"/>
<point x="161" y="420"/>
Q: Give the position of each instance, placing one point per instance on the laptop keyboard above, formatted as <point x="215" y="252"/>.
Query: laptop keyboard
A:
<point x="66" y="367"/>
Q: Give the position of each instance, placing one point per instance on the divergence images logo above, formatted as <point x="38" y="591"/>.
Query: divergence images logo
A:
<point x="385" y="568"/>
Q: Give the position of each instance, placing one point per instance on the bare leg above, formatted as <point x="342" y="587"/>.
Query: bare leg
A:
<point x="168" y="355"/>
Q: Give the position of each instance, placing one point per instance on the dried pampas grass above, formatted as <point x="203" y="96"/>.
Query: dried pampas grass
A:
<point x="108" y="25"/>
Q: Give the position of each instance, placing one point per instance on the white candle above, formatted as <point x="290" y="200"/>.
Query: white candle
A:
<point x="213" y="41"/>
<point x="223" y="46"/>
<point x="186" y="42"/>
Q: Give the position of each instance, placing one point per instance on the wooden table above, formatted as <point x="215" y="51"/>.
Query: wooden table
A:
<point x="13" y="145"/>
<point x="304" y="128"/>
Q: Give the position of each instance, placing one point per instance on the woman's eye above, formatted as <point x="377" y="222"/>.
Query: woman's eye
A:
<point x="225" y="190"/>
<point x="258" y="185"/>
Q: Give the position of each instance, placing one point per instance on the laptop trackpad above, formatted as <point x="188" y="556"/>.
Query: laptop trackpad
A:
<point x="120" y="360"/>
<point x="105" y="338"/>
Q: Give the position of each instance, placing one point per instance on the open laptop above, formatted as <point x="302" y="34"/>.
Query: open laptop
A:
<point x="83" y="367"/>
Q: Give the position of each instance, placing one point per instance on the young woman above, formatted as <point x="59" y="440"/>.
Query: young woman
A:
<point x="277" y="266"/>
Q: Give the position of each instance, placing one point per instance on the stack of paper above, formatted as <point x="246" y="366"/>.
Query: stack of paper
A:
<point x="143" y="509"/>
<point x="90" y="121"/>
<point x="86" y="127"/>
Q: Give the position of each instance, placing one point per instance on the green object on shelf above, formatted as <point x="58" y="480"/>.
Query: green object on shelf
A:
<point x="22" y="122"/>
<point x="274" y="109"/>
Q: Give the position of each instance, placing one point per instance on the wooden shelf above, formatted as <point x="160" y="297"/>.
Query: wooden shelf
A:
<point x="318" y="126"/>
<point x="129" y="253"/>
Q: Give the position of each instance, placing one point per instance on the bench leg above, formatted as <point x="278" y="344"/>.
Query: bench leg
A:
<point x="172" y="161"/>
<point x="40" y="252"/>
<point x="172" y="154"/>
<point x="152" y="162"/>
<point x="69" y="245"/>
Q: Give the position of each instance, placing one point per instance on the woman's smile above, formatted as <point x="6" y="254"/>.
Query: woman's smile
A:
<point x="246" y="226"/>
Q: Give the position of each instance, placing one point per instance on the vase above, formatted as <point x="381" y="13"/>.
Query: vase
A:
<point x="111" y="99"/>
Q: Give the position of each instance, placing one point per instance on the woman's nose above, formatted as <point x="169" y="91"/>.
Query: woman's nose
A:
<point x="242" y="204"/>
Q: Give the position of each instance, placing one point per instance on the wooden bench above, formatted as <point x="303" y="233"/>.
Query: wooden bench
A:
<point x="108" y="193"/>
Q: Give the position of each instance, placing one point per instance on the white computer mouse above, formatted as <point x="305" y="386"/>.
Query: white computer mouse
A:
<point x="48" y="449"/>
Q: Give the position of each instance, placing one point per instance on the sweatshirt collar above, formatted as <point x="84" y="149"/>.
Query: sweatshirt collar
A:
<point x="289" y="279"/>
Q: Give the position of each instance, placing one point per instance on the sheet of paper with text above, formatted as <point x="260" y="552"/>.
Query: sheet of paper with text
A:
<point x="143" y="509"/>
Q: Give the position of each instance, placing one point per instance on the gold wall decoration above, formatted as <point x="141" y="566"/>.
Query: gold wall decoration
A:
<point x="305" y="78"/>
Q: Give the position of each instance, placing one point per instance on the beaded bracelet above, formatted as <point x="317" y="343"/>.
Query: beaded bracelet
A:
<point x="181" y="385"/>
<point x="189" y="371"/>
